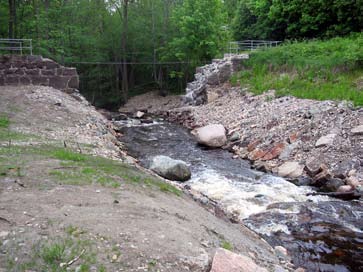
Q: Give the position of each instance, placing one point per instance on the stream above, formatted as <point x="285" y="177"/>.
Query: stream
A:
<point x="320" y="233"/>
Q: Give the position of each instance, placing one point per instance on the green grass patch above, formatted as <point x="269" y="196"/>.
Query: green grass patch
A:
<point x="4" y="122"/>
<point x="321" y="70"/>
<point x="54" y="255"/>
<point x="67" y="155"/>
<point x="79" y="169"/>
<point x="226" y="245"/>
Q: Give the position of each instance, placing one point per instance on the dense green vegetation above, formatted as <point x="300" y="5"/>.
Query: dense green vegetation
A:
<point x="160" y="40"/>
<point x="125" y="47"/>
<point x="297" y="19"/>
<point x="318" y="70"/>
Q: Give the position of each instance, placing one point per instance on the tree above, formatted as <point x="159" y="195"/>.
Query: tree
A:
<point x="202" y="31"/>
<point x="12" y="19"/>
<point x="297" y="19"/>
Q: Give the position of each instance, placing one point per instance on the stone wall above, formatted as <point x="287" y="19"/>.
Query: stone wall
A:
<point x="218" y="72"/>
<point x="36" y="70"/>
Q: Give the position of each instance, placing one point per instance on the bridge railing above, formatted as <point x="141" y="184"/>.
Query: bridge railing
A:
<point x="238" y="47"/>
<point x="16" y="46"/>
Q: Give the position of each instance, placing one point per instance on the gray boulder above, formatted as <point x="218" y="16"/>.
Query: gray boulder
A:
<point x="170" y="169"/>
<point x="211" y="135"/>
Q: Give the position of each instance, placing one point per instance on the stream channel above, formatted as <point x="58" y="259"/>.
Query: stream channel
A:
<point x="320" y="233"/>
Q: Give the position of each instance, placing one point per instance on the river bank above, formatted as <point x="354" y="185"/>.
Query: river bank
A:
<point x="319" y="143"/>
<point x="281" y="212"/>
<point x="71" y="201"/>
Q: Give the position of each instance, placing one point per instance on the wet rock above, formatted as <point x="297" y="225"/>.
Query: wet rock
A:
<point x="357" y="130"/>
<point x="345" y="189"/>
<point x="302" y="181"/>
<point x="235" y="137"/>
<point x="139" y="114"/>
<point x="290" y="169"/>
<point x="325" y="140"/>
<point x="322" y="177"/>
<point x="281" y="252"/>
<point x="342" y="168"/>
<point x="212" y="135"/>
<point x="170" y="168"/>
<point x="332" y="185"/>
<point x="353" y="181"/>
<point x="227" y="261"/>
<point x="119" y="117"/>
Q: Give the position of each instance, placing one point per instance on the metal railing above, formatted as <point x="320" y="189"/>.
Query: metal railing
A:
<point x="238" y="47"/>
<point x="17" y="46"/>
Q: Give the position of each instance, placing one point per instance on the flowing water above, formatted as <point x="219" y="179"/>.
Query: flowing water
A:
<point x="321" y="234"/>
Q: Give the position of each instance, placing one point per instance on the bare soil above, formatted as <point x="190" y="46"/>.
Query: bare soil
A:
<point x="64" y="210"/>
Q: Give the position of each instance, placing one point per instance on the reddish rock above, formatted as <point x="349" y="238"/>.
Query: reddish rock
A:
<point x="252" y="145"/>
<point x="227" y="261"/>
<point x="293" y="137"/>
<point x="257" y="154"/>
<point x="274" y="152"/>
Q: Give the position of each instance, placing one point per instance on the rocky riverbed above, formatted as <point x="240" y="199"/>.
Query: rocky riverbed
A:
<point x="286" y="215"/>
<point x="310" y="142"/>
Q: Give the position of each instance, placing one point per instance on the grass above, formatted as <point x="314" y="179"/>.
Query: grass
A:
<point x="79" y="169"/>
<point x="4" y="122"/>
<point x="320" y="70"/>
<point x="67" y="155"/>
<point x="54" y="255"/>
<point x="8" y="135"/>
<point x="226" y="245"/>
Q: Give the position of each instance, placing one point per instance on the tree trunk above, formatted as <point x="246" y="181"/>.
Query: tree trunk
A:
<point x="12" y="19"/>
<point x="125" y="86"/>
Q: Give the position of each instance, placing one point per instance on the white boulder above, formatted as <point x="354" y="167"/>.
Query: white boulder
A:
<point x="211" y="135"/>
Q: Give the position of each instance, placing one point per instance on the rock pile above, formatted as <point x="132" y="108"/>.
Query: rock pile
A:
<point x="61" y="117"/>
<point x="218" y="72"/>
<point x="321" y="140"/>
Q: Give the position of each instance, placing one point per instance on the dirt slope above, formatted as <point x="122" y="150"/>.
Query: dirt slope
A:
<point x="64" y="210"/>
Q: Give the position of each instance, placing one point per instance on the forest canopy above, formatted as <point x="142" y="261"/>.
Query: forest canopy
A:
<point x="122" y="47"/>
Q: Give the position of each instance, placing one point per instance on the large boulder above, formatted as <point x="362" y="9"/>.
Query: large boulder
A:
<point x="227" y="261"/>
<point x="290" y="169"/>
<point x="212" y="135"/>
<point x="170" y="169"/>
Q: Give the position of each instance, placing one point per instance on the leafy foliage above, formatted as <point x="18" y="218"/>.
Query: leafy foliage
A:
<point x="297" y="19"/>
<point x="202" y="31"/>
